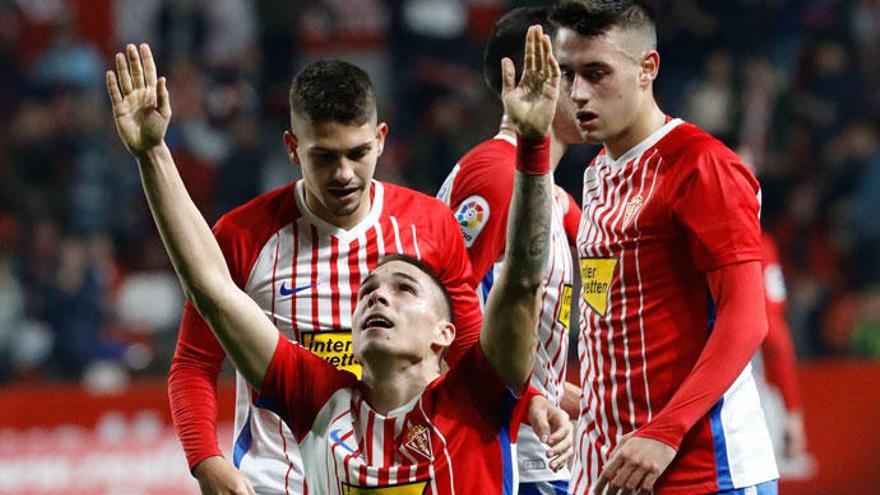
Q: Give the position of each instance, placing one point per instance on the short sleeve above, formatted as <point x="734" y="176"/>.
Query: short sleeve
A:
<point x="480" y="199"/>
<point x="717" y="201"/>
<point x="298" y="384"/>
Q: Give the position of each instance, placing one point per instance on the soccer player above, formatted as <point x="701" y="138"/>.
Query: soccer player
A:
<point x="301" y="252"/>
<point x="479" y="190"/>
<point x="778" y="362"/>
<point x="403" y="426"/>
<point x="670" y="260"/>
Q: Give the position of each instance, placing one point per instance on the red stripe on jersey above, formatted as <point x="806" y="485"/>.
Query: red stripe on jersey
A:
<point x="314" y="275"/>
<point x="286" y="456"/>
<point x="294" y="321"/>
<point x="274" y="280"/>
<point x="368" y="437"/>
<point x="334" y="282"/>
<point x="354" y="272"/>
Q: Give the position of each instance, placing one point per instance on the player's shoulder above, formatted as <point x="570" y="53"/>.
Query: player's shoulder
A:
<point x="403" y="201"/>
<point x="686" y="145"/>
<point x="497" y="154"/>
<point x="261" y="215"/>
<point x="486" y="171"/>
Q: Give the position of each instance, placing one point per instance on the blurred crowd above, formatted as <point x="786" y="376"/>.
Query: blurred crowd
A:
<point x="87" y="293"/>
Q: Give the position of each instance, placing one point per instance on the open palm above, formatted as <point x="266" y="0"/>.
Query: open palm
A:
<point x="141" y="105"/>
<point x="532" y="104"/>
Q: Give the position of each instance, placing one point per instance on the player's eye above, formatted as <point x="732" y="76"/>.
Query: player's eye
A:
<point x="365" y="291"/>
<point x="323" y="157"/>
<point x="596" y="75"/>
<point x="408" y="288"/>
<point x="358" y="154"/>
<point x="567" y="75"/>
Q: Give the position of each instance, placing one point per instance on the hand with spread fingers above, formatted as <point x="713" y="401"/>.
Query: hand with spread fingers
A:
<point x="634" y="466"/>
<point x="141" y="105"/>
<point x="531" y="105"/>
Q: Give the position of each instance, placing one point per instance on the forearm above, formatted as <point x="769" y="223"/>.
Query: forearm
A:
<point x="510" y="333"/>
<point x="740" y="326"/>
<point x="243" y="330"/>
<point x="527" y="247"/>
<point x="192" y="387"/>
<point x="571" y="400"/>
<point x="190" y="244"/>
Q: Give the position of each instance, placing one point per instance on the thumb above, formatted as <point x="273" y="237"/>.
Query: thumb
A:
<point x="538" y="419"/>
<point x="164" y="100"/>
<point x="508" y="76"/>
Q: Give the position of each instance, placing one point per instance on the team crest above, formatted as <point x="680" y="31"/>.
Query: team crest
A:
<point x="472" y="215"/>
<point x="419" y="440"/>
<point x="633" y="207"/>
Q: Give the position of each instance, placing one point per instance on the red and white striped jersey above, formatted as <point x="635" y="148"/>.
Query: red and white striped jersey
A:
<point x="655" y="221"/>
<point x="457" y="437"/>
<point x="305" y="273"/>
<point x="479" y="190"/>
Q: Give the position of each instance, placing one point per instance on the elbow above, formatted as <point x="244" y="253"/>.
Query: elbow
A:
<point x="526" y="284"/>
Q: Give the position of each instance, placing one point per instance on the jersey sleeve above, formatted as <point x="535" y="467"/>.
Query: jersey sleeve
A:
<point x="571" y="219"/>
<point x="298" y="384"/>
<point x="480" y="199"/>
<point x="198" y="359"/>
<point x="457" y="276"/>
<point x="716" y="200"/>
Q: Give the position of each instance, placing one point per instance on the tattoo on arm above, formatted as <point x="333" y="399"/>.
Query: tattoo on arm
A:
<point x="528" y="233"/>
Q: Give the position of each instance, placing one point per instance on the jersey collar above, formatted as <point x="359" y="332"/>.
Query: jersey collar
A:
<point x="325" y="227"/>
<point x="642" y="146"/>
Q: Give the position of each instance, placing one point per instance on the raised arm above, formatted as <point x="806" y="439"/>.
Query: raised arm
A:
<point x="509" y="334"/>
<point x="142" y="111"/>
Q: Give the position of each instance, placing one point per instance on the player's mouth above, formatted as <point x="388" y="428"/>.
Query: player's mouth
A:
<point x="377" y="321"/>
<point x="344" y="193"/>
<point x="587" y="120"/>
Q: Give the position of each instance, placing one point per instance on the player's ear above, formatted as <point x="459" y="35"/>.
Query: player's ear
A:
<point x="290" y="142"/>
<point x="381" y="132"/>
<point x="444" y="334"/>
<point x="650" y="67"/>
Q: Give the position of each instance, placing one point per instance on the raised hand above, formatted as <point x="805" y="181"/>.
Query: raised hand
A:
<point x="142" y="108"/>
<point x="532" y="104"/>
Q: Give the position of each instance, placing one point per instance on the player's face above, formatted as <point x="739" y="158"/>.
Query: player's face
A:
<point x="399" y="313"/>
<point x="605" y="80"/>
<point x="338" y="161"/>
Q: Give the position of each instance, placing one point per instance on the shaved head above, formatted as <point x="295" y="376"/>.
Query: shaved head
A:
<point x="632" y="22"/>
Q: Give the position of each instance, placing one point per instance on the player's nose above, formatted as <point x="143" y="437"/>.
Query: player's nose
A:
<point x="344" y="172"/>
<point x="378" y="296"/>
<point x="580" y="90"/>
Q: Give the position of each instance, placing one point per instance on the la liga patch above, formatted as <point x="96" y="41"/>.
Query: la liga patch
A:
<point x="472" y="215"/>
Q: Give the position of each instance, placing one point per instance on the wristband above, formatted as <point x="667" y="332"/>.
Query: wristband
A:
<point x="533" y="155"/>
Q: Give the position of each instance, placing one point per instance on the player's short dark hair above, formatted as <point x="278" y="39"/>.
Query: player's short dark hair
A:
<point x="427" y="270"/>
<point x="332" y="91"/>
<point x="593" y="18"/>
<point x="508" y="39"/>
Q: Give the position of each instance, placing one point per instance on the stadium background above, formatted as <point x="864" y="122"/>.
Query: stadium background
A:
<point x="89" y="305"/>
